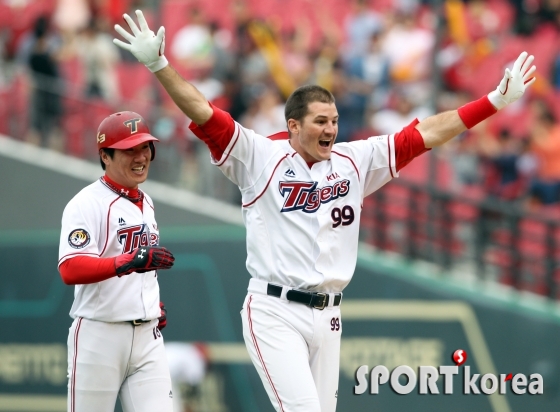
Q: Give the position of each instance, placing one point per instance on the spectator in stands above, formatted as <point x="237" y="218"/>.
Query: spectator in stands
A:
<point x="556" y="72"/>
<point x="46" y="94"/>
<point x="100" y="57"/>
<point x="401" y="111"/>
<point x="71" y="16"/>
<point x="545" y="144"/>
<point x="359" y="26"/>
<point x="350" y="103"/>
<point x="503" y="179"/>
<point x="267" y="115"/>
<point x="370" y="74"/>
<point x="409" y="49"/>
<point x="221" y="50"/>
<point x="192" y="45"/>
<point x="295" y="51"/>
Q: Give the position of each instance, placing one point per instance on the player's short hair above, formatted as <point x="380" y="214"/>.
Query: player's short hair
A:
<point x="110" y="153"/>
<point x="297" y="105"/>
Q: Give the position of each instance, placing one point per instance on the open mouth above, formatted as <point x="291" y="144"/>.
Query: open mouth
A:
<point x="324" y="143"/>
<point x="138" y="169"/>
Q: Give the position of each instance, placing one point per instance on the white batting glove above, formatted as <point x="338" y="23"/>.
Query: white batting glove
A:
<point x="514" y="83"/>
<point x="143" y="43"/>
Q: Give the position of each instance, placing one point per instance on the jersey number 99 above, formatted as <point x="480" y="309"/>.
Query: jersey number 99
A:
<point x="344" y="216"/>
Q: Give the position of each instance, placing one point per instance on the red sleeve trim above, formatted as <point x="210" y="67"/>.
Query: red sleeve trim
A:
<point x="231" y="148"/>
<point x="83" y="270"/>
<point x="408" y="145"/>
<point x="475" y="112"/>
<point x="389" y="155"/>
<point x="216" y="133"/>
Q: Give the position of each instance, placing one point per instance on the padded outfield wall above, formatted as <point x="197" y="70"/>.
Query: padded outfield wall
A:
<point x="394" y="313"/>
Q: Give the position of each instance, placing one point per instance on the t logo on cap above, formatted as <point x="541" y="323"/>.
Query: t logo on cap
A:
<point x="133" y="124"/>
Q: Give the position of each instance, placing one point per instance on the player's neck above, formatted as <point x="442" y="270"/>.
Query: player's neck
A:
<point x="131" y="192"/>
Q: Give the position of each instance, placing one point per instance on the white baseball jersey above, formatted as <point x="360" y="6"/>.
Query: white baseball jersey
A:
<point x="302" y="233"/>
<point x="97" y="222"/>
<point x="303" y="223"/>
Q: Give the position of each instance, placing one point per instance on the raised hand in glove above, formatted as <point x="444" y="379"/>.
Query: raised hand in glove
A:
<point x="143" y="260"/>
<point x="514" y="82"/>
<point x="146" y="46"/>
<point x="163" y="318"/>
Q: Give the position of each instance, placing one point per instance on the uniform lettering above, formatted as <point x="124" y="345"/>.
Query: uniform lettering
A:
<point x="307" y="197"/>
<point x="332" y="176"/>
<point x="295" y="191"/>
<point x="134" y="237"/>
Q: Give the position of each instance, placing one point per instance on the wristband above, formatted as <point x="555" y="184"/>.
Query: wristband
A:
<point x="475" y="112"/>
<point x="157" y="65"/>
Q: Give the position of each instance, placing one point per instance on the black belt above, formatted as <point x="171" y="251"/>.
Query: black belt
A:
<point x="138" y="322"/>
<point x="315" y="300"/>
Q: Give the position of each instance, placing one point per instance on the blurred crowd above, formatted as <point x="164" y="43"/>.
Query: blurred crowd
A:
<point x="60" y="75"/>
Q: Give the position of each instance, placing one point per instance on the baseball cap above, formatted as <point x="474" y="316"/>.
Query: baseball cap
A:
<point x="123" y="130"/>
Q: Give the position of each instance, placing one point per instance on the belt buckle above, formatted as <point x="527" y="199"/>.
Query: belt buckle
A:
<point x="137" y="322"/>
<point x="325" y="301"/>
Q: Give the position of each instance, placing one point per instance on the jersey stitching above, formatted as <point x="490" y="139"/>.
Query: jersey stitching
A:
<point x="254" y="182"/>
<point x="232" y="146"/>
<point x="74" y="361"/>
<point x="267" y="183"/>
<point x="107" y="233"/>
<point x="149" y="203"/>
<point x="389" y="153"/>
<point x="254" y="338"/>
<point x="352" y="161"/>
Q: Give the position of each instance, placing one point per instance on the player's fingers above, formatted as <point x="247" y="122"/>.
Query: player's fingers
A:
<point x="519" y="62"/>
<point x="131" y="24"/>
<point x="122" y="44"/>
<point x="142" y="21"/>
<point x="527" y="64"/>
<point x="530" y="82"/>
<point x="160" y="34"/>
<point x="124" y="33"/>
<point x="529" y="73"/>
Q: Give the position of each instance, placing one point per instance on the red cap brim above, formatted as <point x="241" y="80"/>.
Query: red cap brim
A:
<point x="133" y="141"/>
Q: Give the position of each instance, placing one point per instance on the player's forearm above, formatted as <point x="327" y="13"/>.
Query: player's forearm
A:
<point x="440" y="128"/>
<point x="83" y="270"/>
<point x="185" y="95"/>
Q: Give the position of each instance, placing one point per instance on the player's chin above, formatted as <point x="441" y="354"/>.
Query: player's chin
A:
<point x="323" y="153"/>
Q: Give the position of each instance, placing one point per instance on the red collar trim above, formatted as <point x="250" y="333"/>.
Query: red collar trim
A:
<point x="279" y="136"/>
<point x="122" y="190"/>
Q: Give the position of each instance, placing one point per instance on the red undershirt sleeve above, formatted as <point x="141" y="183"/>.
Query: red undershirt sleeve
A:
<point x="408" y="145"/>
<point x="217" y="132"/>
<point x="83" y="270"/>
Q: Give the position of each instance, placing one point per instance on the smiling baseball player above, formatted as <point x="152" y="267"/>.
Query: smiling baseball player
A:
<point x="302" y="200"/>
<point x="109" y="250"/>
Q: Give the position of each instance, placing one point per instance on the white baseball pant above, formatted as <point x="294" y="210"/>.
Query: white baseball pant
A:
<point x="295" y="349"/>
<point x="106" y="360"/>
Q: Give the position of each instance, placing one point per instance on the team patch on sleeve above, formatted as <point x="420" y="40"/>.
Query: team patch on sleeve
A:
<point x="78" y="238"/>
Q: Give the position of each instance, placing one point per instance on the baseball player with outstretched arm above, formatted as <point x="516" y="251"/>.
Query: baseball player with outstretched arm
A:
<point x="302" y="200"/>
<point x="109" y="249"/>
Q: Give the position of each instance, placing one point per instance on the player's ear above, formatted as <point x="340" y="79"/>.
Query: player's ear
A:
<point x="293" y="126"/>
<point x="103" y="158"/>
